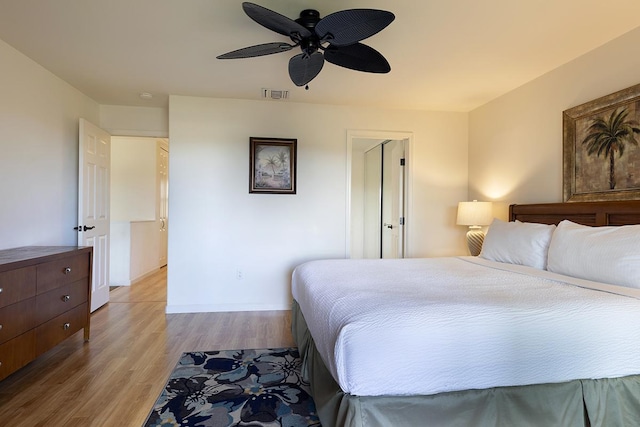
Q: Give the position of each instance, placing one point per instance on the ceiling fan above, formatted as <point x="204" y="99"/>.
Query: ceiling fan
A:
<point x="338" y="35"/>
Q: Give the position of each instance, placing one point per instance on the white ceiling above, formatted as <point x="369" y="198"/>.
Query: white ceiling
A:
<point x="450" y="55"/>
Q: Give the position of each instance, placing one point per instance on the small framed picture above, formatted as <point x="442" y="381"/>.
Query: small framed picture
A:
<point x="272" y="165"/>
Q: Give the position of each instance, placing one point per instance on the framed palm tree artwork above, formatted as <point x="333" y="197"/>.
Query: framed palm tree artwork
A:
<point x="601" y="150"/>
<point x="272" y="165"/>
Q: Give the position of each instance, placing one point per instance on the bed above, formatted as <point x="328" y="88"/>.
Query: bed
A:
<point x="542" y="329"/>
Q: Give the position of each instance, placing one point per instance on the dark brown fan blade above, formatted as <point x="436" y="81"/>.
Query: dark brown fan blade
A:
<point x="303" y="68"/>
<point x="274" y="21"/>
<point x="257" y="50"/>
<point x="358" y="57"/>
<point x="350" y="26"/>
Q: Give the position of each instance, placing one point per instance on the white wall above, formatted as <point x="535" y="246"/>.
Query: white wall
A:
<point x="515" y="141"/>
<point x="134" y="121"/>
<point x="134" y="251"/>
<point x="145" y="241"/>
<point x="120" y="253"/>
<point x="133" y="178"/>
<point x="218" y="228"/>
<point x="39" y="153"/>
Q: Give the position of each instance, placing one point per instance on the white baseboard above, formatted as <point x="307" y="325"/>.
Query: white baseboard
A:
<point x="145" y="275"/>
<point x="136" y="279"/>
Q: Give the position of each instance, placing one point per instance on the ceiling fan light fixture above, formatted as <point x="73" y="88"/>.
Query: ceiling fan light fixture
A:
<point x="309" y="18"/>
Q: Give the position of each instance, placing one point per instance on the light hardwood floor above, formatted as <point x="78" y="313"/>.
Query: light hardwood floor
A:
<point x="114" y="379"/>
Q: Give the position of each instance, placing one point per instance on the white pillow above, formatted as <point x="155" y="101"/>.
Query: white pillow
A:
<point x="601" y="254"/>
<point x="522" y="243"/>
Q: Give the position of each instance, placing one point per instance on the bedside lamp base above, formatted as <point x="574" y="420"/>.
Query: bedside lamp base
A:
<point x="475" y="238"/>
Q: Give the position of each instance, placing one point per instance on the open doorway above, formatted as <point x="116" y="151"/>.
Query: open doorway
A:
<point x="139" y="207"/>
<point x="379" y="194"/>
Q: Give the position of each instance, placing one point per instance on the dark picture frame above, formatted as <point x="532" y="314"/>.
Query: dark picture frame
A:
<point x="601" y="148"/>
<point x="272" y="165"/>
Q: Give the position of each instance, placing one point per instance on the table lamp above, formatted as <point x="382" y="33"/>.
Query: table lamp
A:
<point x="475" y="214"/>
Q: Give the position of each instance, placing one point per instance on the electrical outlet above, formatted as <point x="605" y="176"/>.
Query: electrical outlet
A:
<point x="239" y="274"/>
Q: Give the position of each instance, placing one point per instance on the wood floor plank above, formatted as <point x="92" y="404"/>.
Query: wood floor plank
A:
<point x="114" y="379"/>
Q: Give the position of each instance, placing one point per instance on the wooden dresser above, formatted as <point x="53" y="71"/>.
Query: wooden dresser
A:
<point x="45" y="295"/>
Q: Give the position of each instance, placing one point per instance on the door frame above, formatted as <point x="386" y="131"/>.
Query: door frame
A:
<point x="353" y="134"/>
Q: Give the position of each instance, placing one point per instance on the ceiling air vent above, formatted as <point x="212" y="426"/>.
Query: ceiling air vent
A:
<point x="275" y="94"/>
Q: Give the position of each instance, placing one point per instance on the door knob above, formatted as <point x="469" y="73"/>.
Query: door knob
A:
<point x="85" y="228"/>
<point x="388" y="225"/>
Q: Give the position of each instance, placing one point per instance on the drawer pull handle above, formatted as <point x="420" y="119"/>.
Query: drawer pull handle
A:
<point x="0" y="327"/>
<point x="66" y="326"/>
<point x="0" y="290"/>
<point x="67" y="270"/>
<point x="66" y="298"/>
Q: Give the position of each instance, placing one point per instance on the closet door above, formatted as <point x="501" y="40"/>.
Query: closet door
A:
<point x="393" y="199"/>
<point x="162" y="198"/>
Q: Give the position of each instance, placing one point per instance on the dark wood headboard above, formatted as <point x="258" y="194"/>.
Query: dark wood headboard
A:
<point x="624" y="212"/>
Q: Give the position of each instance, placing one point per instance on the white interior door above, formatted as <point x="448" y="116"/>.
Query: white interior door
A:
<point x="393" y="199"/>
<point x="397" y="197"/>
<point x="94" y="156"/>
<point x="163" y="198"/>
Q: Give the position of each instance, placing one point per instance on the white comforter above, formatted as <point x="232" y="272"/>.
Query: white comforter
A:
<point x="425" y="326"/>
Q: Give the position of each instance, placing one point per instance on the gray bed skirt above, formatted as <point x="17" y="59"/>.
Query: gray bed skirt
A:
<point x="604" y="402"/>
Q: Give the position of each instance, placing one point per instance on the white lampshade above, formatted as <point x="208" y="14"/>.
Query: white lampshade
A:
<point x="475" y="213"/>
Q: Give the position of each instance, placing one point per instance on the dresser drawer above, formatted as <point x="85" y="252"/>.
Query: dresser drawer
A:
<point x="53" y="274"/>
<point x="53" y="303"/>
<point x="16" y="353"/>
<point x="16" y="319"/>
<point x="16" y="285"/>
<point x="61" y="327"/>
<point x="44" y="299"/>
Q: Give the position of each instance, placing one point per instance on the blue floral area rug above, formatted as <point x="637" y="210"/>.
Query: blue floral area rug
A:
<point x="244" y="388"/>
